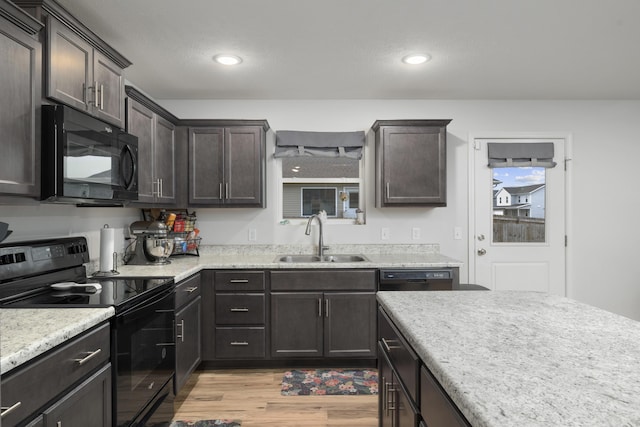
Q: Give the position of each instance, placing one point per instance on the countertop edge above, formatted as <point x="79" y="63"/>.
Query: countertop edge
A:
<point x="35" y="341"/>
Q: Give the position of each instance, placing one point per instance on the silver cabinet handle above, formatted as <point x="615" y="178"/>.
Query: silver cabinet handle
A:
<point x="387" y="189"/>
<point x="239" y="281"/>
<point x="102" y="97"/>
<point x="95" y="93"/>
<point x="326" y="308"/>
<point x="6" y="410"/>
<point x="88" y="357"/>
<point x="236" y="310"/>
<point x="191" y="289"/>
<point x="319" y="307"/>
<point x="220" y="192"/>
<point x="388" y="347"/>
<point x="160" y="187"/>
<point x="226" y="190"/>
<point x="239" y="343"/>
<point x="59" y="424"/>
<point x="181" y="334"/>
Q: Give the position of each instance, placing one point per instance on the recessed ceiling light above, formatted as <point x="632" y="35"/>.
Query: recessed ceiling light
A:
<point x="416" y="59"/>
<point x="225" y="59"/>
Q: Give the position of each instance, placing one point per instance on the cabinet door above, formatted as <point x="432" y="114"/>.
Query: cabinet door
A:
<point x="69" y="65"/>
<point x="188" y="354"/>
<point x="20" y="129"/>
<point x="206" y="153"/>
<point x="296" y="324"/>
<point x="350" y="324"/>
<point x="165" y="160"/>
<point x="385" y="385"/>
<point x="413" y="166"/>
<point x="140" y="122"/>
<point x="89" y="404"/>
<point x="243" y="166"/>
<point x="109" y="95"/>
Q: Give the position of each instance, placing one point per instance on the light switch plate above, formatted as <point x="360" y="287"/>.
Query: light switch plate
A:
<point x="253" y="235"/>
<point x="415" y="233"/>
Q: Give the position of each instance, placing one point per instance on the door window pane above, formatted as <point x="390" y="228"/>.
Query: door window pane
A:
<point x="519" y="204"/>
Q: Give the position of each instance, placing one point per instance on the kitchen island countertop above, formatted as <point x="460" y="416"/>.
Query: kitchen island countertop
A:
<point x="26" y="333"/>
<point x="511" y="358"/>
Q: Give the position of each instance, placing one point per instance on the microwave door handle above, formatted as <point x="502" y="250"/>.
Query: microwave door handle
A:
<point x="128" y="182"/>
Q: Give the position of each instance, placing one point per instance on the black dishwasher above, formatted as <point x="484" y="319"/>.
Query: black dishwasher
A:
<point x="425" y="279"/>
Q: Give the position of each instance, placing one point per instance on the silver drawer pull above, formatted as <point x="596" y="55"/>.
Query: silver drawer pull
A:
<point x="239" y="343"/>
<point x="88" y="357"/>
<point x="243" y="310"/>
<point x="6" y="410"/>
<point x="191" y="289"/>
<point x="388" y="347"/>
<point x="239" y="281"/>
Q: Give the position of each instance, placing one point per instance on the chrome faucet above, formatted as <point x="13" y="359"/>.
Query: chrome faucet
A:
<point x="321" y="246"/>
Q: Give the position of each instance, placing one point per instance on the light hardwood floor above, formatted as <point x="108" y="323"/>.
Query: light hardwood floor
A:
<point x="253" y="397"/>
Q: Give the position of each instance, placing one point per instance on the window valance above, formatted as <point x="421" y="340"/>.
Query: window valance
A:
<point x="519" y="154"/>
<point x="291" y="143"/>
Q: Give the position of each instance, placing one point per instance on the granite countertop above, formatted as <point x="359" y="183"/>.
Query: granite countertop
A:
<point x="511" y="358"/>
<point x="28" y="332"/>
<point x="252" y="257"/>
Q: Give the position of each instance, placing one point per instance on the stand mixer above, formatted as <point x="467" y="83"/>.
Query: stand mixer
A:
<point x="151" y="244"/>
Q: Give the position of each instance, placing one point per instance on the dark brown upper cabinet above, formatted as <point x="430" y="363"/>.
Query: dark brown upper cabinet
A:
<point x="411" y="162"/>
<point x="227" y="164"/>
<point x="158" y="150"/>
<point x="81" y="70"/>
<point x="20" y="77"/>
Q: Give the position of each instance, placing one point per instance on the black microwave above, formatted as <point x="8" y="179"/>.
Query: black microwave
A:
<point x="85" y="160"/>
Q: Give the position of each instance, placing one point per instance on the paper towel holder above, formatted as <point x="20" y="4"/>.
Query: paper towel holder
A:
<point x="113" y="272"/>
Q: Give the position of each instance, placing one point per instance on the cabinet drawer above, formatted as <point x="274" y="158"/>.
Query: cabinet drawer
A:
<point x="37" y="383"/>
<point x="239" y="309"/>
<point x="402" y="356"/>
<point x="239" y="280"/>
<point x="323" y="280"/>
<point x="240" y="343"/>
<point x="436" y="407"/>
<point x="187" y="290"/>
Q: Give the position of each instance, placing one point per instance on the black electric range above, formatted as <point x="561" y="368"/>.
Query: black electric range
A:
<point x="51" y="273"/>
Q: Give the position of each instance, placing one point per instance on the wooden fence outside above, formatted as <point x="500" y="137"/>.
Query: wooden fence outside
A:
<point x="518" y="229"/>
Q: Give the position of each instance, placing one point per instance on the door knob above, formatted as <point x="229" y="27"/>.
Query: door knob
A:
<point x="482" y="252"/>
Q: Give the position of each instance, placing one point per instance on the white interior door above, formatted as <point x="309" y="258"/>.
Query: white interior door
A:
<point x="517" y="224"/>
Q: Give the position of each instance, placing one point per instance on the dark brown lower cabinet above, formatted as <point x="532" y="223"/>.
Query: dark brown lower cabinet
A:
<point x="323" y="324"/>
<point x="89" y="404"/>
<point x="395" y="407"/>
<point x="187" y="342"/>
<point x="436" y="407"/>
<point x="409" y="395"/>
<point x="188" y="329"/>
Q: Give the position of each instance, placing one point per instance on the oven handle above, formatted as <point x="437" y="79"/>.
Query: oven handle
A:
<point x="133" y="311"/>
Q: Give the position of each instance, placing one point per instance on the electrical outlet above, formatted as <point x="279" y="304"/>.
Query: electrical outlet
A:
<point x="384" y="233"/>
<point x="415" y="233"/>
<point x="253" y="236"/>
<point x="457" y="233"/>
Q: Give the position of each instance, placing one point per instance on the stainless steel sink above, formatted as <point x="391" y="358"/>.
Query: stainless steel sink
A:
<point x="325" y="258"/>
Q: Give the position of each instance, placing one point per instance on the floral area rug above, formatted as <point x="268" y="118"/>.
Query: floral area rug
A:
<point x="207" y="423"/>
<point x="329" y="382"/>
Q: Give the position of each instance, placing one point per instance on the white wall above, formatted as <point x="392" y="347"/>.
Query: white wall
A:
<point x="603" y="265"/>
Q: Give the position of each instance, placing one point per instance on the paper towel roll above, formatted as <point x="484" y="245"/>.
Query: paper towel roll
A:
<point x="107" y="248"/>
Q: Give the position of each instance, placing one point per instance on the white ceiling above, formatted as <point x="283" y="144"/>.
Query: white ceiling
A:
<point x="351" y="49"/>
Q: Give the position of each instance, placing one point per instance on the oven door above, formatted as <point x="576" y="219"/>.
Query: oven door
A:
<point x="145" y="354"/>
